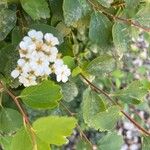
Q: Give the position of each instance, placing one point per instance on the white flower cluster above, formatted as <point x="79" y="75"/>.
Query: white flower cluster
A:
<point x="39" y="58"/>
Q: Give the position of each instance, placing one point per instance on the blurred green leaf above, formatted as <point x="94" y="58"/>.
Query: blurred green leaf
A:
<point x="118" y="74"/>
<point x="72" y="11"/>
<point x="76" y="71"/>
<point x="105" y="3"/>
<point x="54" y="129"/>
<point x="121" y="36"/>
<point x="111" y="141"/>
<point x="56" y="10"/>
<point x="66" y="48"/>
<point x="133" y="93"/>
<point x="22" y="141"/>
<point x="63" y="29"/>
<point x="36" y="9"/>
<point x="95" y="113"/>
<point x="69" y="91"/>
<point x="69" y="61"/>
<point x="9" y="56"/>
<point x="7" y="22"/>
<point x="131" y="11"/>
<point x="16" y="36"/>
<point x="10" y="120"/>
<point x="45" y="95"/>
<point x="5" y="142"/>
<point x="143" y="17"/>
<point x="101" y="65"/>
<point x="85" y="6"/>
<point x="145" y="143"/>
<point x="100" y="29"/>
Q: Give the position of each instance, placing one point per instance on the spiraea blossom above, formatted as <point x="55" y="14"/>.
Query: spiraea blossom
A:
<point x="39" y="58"/>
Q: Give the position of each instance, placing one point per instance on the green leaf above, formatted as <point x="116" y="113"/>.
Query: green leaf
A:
<point x="82" y="145"/>
<point x="22" y="141"/>
<point x="54" y="129"/>
<point x="42" y="145"/>
<point x="130" y="11"/>
<point x="7" y="22"/>
<point x="69" y="61"/>
<point x="101" y="65"/>
<point x="56" y="10"/>
<point x="107" y="120"/>
<point x="85" y="6"/>
<point x="9" y="56"/>
<point x="10" y="120"/>
<point x="36" y="9"/>
<point x="47" y="29"/>
<point x="121" y="36"/>
<point x="69" y="91"/>
<point x="143" y="17"/>
<point x="95" y="113"/>
<point x="63" y="29"/>
<point x="76" y="71"/>
<point x="47" y="94"/>
<point x="105" y="3"/>
<point x="16" y="36"/>
<point x="100" y="29"/>
<point x="5" y="142"/>
<point x="133" y="93"/>
<point x="92" y="104"/>
<point x="72" y="11"/>
<point x="111" y="141"/>
<point x="146" y="84"/>
<point x="3" y="4"/>
<point x="66" y="48"/>
<point x="145" y="143"/>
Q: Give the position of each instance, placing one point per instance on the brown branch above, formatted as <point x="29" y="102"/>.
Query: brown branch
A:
<point x="14" y="98"/>
<point x="135" y="123"/>
<point x="100" y="91"/>
<point x="126" y="21"/>
<point x="25" y="118"/>
<point x="78" y="126"/>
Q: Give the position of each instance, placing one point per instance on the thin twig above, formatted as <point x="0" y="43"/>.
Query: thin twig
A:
<point x="78" y="126"/>
<point x="25" y="118"/>
<point x="126" y="21"/>
<point x="115" y="103"/>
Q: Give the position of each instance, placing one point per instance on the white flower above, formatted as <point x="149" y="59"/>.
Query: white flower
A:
<point x="23" y="45"/>
<point x="26" y="68"/>
<point x="51" y="40"/>
<point x="27" y="39"/>
<point x="26" y="49"/>
<point x="15" y="73"/>
<point x="38" y="58"/>
<point x="62" y="73"/>
<point x="47" y="71"/>
<point x="52" y="54"/>
<point x="58" y="62"/>
<point x="35" y="35"/>
<point x="39" y="65"/>
<point x="37" y="54"/>
<point x="21" y="62"/>
<point x="27" y="80"/>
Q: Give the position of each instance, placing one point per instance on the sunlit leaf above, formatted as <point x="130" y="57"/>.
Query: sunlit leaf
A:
<point x="54" y="129"/>
<point x="44" y="95"/>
